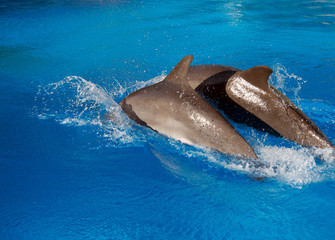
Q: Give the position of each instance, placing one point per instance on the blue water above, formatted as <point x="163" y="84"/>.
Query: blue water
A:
<point x="68" y="173"/>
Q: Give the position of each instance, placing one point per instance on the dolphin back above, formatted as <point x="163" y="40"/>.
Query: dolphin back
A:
<point x="173" y="108"/>
<point x="252" y="91"/>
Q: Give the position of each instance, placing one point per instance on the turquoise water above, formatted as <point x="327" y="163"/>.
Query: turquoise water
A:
<point x="68" y="173"/>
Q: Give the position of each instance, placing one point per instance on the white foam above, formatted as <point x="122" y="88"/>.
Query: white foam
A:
<point x="293" y="166"/>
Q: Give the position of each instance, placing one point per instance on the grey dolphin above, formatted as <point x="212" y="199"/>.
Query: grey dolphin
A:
<point x="173" y="108"/>
<point x="244" y="95"/>
<point x="210" y="82"/>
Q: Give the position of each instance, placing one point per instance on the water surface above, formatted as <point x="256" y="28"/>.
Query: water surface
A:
<point x="67" y="173"/>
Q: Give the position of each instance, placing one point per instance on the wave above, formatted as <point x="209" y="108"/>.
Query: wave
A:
<point x="75" y="101"/>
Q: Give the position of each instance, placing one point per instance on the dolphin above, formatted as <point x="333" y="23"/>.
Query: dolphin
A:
<point x="210" y="82"/>
<point x="246" y="96"/>
<point x="173" y="108"/>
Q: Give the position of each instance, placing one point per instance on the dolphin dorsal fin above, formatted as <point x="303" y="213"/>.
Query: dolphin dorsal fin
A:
<point x="258" y="76"/>
<point x="179" y="72"/>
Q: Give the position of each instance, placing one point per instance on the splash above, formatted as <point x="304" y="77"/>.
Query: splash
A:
<point x="286" y="82"/>
<point x="75" y="101"/>
<point x="295" y="167"/>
